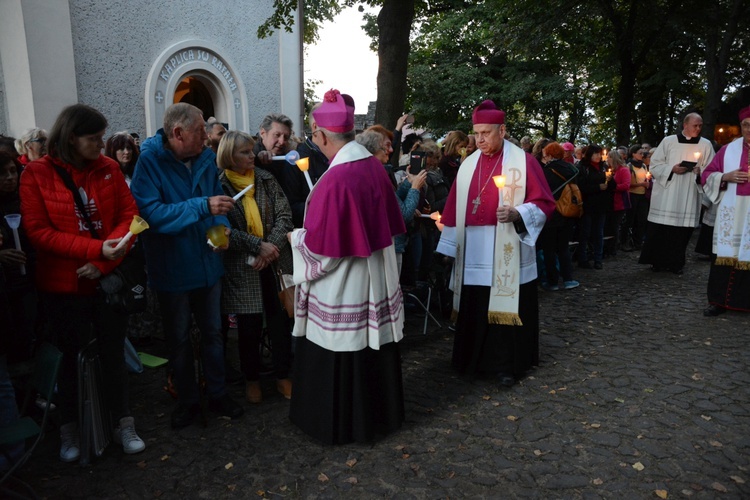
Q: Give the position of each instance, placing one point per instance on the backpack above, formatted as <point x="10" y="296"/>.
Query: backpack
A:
<point x="570" y="203"/>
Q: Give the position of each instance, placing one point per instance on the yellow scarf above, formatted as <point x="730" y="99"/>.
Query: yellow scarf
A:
<point x="252" y="213"/>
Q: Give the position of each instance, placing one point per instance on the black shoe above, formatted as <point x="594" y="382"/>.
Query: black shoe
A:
<point x="232" y="375"/>
<point x="597" y="265"/>
<point x="506" y="379"/>
<point x="226" y="407"/>
<point x="713" y="310"/>
<point x="184" y="415"/>
<point x="677" y="271"/>
<point x="584" y="265"/>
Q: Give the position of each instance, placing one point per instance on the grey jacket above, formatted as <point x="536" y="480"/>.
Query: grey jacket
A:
<point x="241" y="292"/>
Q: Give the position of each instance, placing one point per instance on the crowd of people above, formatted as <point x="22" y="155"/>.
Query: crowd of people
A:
<point x="232" y="223"/>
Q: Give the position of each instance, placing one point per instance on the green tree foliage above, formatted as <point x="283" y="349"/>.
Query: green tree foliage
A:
<point x="605" y="71"/>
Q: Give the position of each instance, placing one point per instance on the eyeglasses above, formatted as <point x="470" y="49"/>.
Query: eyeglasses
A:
<point x="41" y="140"/>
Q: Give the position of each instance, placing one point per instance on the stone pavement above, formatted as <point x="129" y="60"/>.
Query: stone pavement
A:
<point x="638" y="395"/>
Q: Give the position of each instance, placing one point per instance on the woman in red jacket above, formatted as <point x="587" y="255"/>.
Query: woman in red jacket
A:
<point x="74" y="250"/>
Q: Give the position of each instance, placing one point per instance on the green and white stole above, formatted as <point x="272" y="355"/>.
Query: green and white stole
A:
<point x="506" y="260"/>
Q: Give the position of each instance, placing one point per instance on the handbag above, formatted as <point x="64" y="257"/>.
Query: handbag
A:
<point x="286" y="292"/>
<point x="125" y="287"/>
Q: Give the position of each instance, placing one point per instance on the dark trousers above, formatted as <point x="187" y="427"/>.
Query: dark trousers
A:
<point x="554" y="242"/>
<point x="178" y="310"/>
<point x="73" y="320"/>
<point x="591" y="229"/>
<point x="250" y="329"/>
<point x="637" y="217"/>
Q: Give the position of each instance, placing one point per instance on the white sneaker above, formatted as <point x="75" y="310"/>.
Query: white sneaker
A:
<point x="125" y="435"/>
<point x="70" y="448"/>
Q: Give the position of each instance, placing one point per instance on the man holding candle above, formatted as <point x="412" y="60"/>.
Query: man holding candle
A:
<point x="176" y="186"/>
<point x="725" y="181"/>
<point x="348" y="313"/>
<point x="273" y="141"/>
<point x="675" y="199"/>
<point x="295" y="179"/>
<point x="493" y="242"/>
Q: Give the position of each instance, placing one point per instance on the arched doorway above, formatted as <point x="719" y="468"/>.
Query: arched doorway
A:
<point x="193" y="91"/>
<point x="195" y="72"/>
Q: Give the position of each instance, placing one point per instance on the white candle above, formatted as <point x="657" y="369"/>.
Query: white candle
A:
<point x="500" y="183"/>
<point x="242" y="193"/>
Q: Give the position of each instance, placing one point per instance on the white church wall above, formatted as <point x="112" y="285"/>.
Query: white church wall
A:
<point x="117" y="42"/>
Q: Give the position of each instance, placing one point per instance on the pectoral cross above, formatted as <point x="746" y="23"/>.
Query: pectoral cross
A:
<point x="476" y="202"/>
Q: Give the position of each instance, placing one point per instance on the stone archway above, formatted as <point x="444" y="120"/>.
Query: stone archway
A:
<point x="201" y="61"/>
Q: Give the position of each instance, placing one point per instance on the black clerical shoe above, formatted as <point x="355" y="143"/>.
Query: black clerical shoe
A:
<point x="226" y="407"/>
<point x="183" y="415"/>
<point x="713" y="310"/>
<point x="506" y="379"/>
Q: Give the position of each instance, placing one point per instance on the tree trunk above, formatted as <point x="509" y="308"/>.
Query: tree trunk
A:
<point x="394" y="27"/>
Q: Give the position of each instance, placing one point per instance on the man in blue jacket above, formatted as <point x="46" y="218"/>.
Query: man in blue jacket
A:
<point x="176" y="187"/>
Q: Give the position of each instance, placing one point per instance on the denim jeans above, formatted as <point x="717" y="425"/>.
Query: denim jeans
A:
<point x="178" y="310"/>
<point x="591" y="231"/>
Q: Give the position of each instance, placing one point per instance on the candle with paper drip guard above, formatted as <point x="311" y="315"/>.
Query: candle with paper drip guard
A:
<point x="462" y="152"/>
<point x="500" y="183"/>
<point x="137" y="226"/>
<point x="436" y="217"/>
<point x="14" y="222"/>
<point x="291" y="157"/>
<point x="304" y="164"/>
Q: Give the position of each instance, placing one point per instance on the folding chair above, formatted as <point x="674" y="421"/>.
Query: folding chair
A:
<point x="412" y="294"/>
<point x="42" y="381"/>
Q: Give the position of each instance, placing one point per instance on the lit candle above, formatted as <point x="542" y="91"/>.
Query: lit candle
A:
<point x="462" y="152"/>
<point x="436" y="217"/>
<point x="697" y="155"/>
<point x="500" y="183"/>
<point x="304" y="164"/>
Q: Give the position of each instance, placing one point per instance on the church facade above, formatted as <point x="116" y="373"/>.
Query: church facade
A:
<point x="131" y="59"/>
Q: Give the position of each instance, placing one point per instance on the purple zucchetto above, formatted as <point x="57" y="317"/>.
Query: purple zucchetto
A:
<point x="336" y="113"/>
<point x="488" y="113"/>
<point x="744" y="113"/>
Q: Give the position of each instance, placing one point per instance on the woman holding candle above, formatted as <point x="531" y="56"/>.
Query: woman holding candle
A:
<point x="596" y="188"/>
<point x="17" y="263"/>
<point x="621" y="196"/>
<point x="258" y="247"/>
<point x="74" y="249"/>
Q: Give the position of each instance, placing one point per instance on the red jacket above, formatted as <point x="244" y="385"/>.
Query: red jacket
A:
<point x="61" y="239"/>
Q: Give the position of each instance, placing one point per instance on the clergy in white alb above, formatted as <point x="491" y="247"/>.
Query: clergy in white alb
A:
<point x="676" y="195"/>
<point x="725" y="182"/>
<point x="494" y="276"/>
<point x="348" y="308"/>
